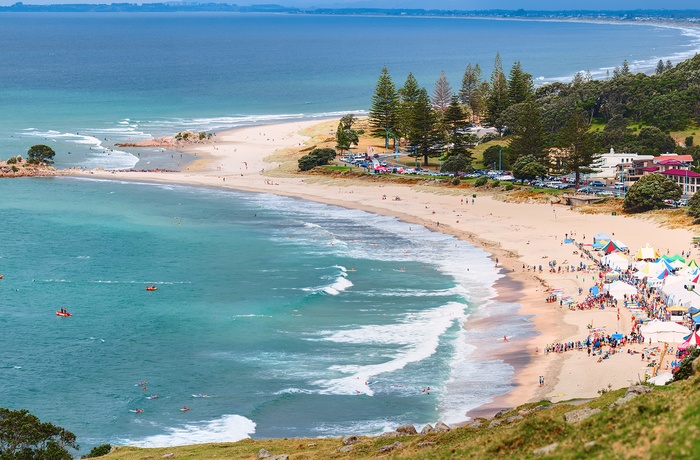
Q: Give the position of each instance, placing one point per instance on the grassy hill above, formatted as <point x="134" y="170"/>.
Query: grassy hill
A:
<point x="663" y="423"/>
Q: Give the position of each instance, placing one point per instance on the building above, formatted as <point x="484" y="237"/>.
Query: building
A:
<point x="609" y="165"/>
<point x="678" y="167"/>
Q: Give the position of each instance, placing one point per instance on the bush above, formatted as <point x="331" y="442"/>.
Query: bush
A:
<point x="481" y="181"/>
<point x="15" y="168"/>
<point x="455" y="180"/>
<point x="685" y="370"/>
<point x="495" y="184"/>
<point x="509" y="187"/>
<point x="12" y="160"/>
<point x="649" y="193"/>
<point x="489" y="137"/>
<point x="317" y="157"/>
<point x="98" y="451"/>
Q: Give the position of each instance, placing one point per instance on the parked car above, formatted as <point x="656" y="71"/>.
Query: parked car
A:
<point x="683" y="202"/>
<point x="585" y="190"/>
<point x="604" y="193"/>
<point x="596" y="183"/>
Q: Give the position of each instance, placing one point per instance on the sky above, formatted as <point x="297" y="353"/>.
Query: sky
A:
<point x="436" y="4"/>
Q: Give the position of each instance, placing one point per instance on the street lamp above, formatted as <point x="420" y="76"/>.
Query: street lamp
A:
<point x="500" y="164"/>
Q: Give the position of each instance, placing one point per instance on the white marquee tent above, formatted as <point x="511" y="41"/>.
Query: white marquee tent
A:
<point x="660" y="331"/>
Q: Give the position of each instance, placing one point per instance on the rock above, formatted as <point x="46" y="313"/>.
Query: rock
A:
<point x="280" y="457"/>
<point x="524" y="411"/>
<point x="170" y="455"/>
<point x="262" y="453"/>
<point x="426" y="443"/>
<point x="391" y="434"/>
<point x="347" y="440"/>
<point x="624" y="400"/>
<point x="546" y="450"/>
<point x="501" y="412"/>
<point x="313" y="444"/>
<point x="589" y="444"/>
<point x="390" y="447"/>
<point x="581" y="414"/>
<point x="441" y="427"/>
<point x="494" y="423"/>
<point x="348" y="448"/>
<point x="514" y="418"/>
<point x="474" y="424"/>
<point x="426" y="429"/>
<point x="407" y="429"/>
<point x="637" y="390"/>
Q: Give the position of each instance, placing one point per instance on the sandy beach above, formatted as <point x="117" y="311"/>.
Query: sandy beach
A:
<point x="520" y="237"/>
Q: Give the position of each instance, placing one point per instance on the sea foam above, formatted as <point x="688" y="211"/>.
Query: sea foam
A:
<point x="227" y="428"/>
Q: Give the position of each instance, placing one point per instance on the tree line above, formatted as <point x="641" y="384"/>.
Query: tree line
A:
<point x="549" y="127"/>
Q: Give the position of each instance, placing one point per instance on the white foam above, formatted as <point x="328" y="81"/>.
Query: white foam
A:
<point x="338" y="286"/>
<point x="227" y="428"/>
<point x="417" y="337"/>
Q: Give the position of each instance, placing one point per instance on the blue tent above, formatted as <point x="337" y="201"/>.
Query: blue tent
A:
<point x="601" y="236"/>
<point x="594" y="290"/>
<point x="597" y="245"/>
<point x="693" y="310"/>
<point x="616" y="336"/>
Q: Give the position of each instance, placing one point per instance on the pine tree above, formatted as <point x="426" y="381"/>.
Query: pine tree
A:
<point x="408" y="96"/>
<point x="579" y="145"/>
<point x="625" y="69"/>
<point x="469" y="92"/>
<point x="423" y="134"/>
<point x="660" y="67"/>
<point x="529" y="137"/>
<point x="669" y="66"/>
<point x="520" y="85"/>
<point x="383" y="115"/>
<point x="498" y="99"/>
<point x="454" y="121"/>
<point x="442" y="94"/>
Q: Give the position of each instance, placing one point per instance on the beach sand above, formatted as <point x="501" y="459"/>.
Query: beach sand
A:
<point x="516" y="234"/>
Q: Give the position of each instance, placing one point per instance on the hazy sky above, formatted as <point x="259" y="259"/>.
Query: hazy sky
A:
<point x="445" y="4"/>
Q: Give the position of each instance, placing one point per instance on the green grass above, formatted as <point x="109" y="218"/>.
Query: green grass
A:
<point x="662" y="424"/>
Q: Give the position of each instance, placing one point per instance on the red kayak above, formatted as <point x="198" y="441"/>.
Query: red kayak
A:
<point x="63" y="313"/>
<point x="151" y="288"/>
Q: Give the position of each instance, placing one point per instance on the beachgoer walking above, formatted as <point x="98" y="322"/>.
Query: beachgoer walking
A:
<point x="505" y="339"/>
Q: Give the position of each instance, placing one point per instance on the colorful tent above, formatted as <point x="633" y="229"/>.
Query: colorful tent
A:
<point x="611" y="247"/>
<point x="692" y="340"/>
<point x="663" y="274"/>
<point x="678" y="258"/>
<point x="693" y="264"/>
<point x="647" y="252"/>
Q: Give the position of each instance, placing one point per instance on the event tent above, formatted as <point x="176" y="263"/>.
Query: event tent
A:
<point x="661" y="379"/>
<point x="611" y="247"/>
<point x="616" y="261"/>
<point x="693" y="264"/>
<point x="660" y="331"/>
<point x="618" y="289"/>
<point x="692" y="340"/>
<point x="647" y="252"/>
<point x="601" y="236"/>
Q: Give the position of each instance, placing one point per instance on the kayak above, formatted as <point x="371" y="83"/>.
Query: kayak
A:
<point x="63" y="313"/>
<point x="151" y="288"/>
<point x="136" y="411"/>
<point x="184" y="409"/>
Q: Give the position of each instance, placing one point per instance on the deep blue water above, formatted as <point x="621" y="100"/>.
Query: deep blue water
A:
<point x="82" y="82"/>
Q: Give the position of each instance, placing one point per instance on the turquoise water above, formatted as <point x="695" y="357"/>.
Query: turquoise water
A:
<point x="82" y="82"/>
<point x="279" y="310"/>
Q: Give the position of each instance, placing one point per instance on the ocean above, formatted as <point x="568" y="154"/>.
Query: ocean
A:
<point x="83" y="82"/>
<point x="293" y="318"/>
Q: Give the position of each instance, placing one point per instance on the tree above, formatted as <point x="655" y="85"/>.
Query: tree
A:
<point x="24" y="436"/>
<point x="456" y="164"/>
<point x="470" y="93"/>
<point x="458" y="142"/>
<point x="528" y="168"/>
<point x="345" y="136"/>
<point x="520" y="85"/>
<point x="408" y="96"/>
<point x="660" y="67"/>
<point x="625" y="69"/>
<point x="498" y="99"/>
<point x="579" y="145"/>
<point x="442" y="94"/>
<point x="689" y="141"/>
<point x="693" y="208"/>
<point x="40" y="154"/>
<point x="423" y="135"/>
<point x="529" y="137"/>
<point x="653" y="141"/>
<point x="497" y="154"/>
<point x="383" y="115"/>
<point x="317" y="157"/>
<point x="650" y="191"/>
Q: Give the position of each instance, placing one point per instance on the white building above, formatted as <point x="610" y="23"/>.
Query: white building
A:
<point x="607" y="164"/>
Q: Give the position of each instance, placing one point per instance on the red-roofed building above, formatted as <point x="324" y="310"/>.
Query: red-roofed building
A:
<point x="689" y="181"/>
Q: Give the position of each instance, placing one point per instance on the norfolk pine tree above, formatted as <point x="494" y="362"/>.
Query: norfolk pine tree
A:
<point x="498" y="99"/>
<point x="520" y="85"/>
<point x="529" y="136"/>
<point x="579" y="145"/>
<point x="408" y="96"/>
<point x="383" y="115"/>
<point x="422" y="128"/>
<point x="442" y="94"/>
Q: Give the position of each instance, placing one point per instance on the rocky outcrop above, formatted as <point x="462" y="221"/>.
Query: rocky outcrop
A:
<point x="263" y="453"/>
<point x="347" y="440"/>
<point x="407" y="430"/>
<point x="390" y="447"/>
<point x="631" y="393"/>
<point x="581" y="414"/>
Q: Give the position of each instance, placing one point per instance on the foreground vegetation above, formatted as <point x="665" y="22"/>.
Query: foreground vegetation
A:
<point x="663" y="423"/>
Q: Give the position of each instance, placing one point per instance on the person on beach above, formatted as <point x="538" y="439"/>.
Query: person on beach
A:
<point x="505" y="339"/>
<point x="541" y="380"/>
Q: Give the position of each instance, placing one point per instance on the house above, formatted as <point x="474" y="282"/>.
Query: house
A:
<point x="678" y="167"/>
<point x="608" y="165"/>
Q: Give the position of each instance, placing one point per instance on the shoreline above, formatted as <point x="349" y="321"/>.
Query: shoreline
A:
<point x="516" y="234"/>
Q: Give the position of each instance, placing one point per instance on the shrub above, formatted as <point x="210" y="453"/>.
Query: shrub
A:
<point x="481" y="181"/>
<point x="317" y="157"/>
<point x="12" y="160"/>
<point x="202" y="135"/>
<point x="15" y="168"/>
<point x="495" y="184"/>
<point x="649" y="192"/>
<point x="509" y="187"/>
<point x="685" y="370"/>
<point x="455" y="180"/>
<point x="99" y="451"/>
